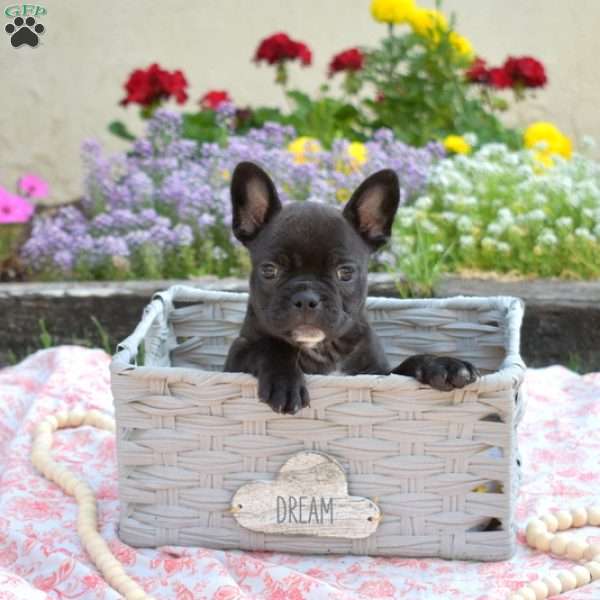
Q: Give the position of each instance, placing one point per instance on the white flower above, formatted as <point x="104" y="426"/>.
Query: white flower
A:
<point x="437" y="248"/>
<point x="564" y="222"/>
<point x="547" y="238"/>
<point x="535" y="215"/>
<point x="597" y="231"/>
<point x="505" y="216"/>
<point x="428" y="226"/>
<point x="470" y="138"/>
<point x="464" y="223"/>
<point x="448" y="216"/>
<point x="488" y="243"/>
<point x="540" y="199"/>
<point x="424" y="203"/>
<point x="495" y="229"/>
<point x="503" y="247"/>
<point x="588" y="143"/>
<point x="466" y="241"/>
<point x="585" y="234"/>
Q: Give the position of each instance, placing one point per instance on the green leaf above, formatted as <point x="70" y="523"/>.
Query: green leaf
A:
<point x="119" y="129"/>
<point x="346" y="112"/>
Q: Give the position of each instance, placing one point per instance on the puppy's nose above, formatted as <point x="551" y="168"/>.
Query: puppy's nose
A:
<point x="306" y="300"/>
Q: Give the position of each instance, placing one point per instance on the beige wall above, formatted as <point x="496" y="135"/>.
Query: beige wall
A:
<point x="68" y="88"/>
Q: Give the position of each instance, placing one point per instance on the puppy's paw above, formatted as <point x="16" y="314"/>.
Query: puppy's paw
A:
<point x="283" y="391"/>
<point x="440" y="372"/>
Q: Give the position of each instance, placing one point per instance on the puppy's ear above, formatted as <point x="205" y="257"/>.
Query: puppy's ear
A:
<point x="372" y="208"/>
<point x="254" y="200"/>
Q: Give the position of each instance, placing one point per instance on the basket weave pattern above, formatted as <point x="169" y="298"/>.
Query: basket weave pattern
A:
<point x="188" y="435"/>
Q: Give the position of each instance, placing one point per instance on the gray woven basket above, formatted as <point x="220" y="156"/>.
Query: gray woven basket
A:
<point x="189" y="435"/>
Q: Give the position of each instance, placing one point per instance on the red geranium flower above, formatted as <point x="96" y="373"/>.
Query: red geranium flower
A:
<point x="146" y="87"/>
<point x="279" y="47"/>
<point x="526" y="70"/>
<point x="348" y="60"/>
<point x="214" y="99"/>
<point x="500" y="78"/>
<point x="478" y="72"/>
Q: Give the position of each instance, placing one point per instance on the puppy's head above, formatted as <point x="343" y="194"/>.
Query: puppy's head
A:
<point x="309" y="260"/>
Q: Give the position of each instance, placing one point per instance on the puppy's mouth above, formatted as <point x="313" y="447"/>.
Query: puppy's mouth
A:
<point x="307" y="335"/>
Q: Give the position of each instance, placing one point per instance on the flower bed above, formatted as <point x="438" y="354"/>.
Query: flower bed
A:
<point x="476" y="194"/>
<point x="504" y="211"/>
<point x="163" y="209"/>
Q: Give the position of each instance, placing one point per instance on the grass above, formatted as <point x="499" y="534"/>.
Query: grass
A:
<point x="98" y="337"/>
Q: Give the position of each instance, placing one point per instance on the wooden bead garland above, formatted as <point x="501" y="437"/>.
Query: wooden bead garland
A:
<point x="87" y="523"/>
<point x="540" y="532"/>
<point x="541" y="535"/>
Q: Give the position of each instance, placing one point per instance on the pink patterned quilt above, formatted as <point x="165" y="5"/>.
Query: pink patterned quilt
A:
<point x="41" y="558"/>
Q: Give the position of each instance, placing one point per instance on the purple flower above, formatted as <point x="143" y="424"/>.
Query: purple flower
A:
<point x="169" y="195"/>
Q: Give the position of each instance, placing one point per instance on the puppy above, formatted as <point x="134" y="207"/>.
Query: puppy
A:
<point x="306" y="311"/>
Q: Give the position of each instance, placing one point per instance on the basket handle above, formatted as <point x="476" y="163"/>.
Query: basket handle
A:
<point x="127" y="350"/>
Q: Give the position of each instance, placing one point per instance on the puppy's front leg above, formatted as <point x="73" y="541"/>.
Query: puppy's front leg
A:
<point x="275" y="363"/>
<point x="440" y="372"/>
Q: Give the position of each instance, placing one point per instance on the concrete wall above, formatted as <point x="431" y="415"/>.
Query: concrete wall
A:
<point x="68" y="88"/>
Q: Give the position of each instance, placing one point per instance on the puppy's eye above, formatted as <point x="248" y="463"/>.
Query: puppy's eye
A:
<point x="269" y="270"/>
<point x="345" y="272"/>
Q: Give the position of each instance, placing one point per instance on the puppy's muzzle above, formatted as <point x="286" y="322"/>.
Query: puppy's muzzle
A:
<point x="308" y="302"/>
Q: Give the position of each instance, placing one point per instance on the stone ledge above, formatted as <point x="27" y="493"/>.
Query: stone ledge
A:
<point x="561" y="325"/>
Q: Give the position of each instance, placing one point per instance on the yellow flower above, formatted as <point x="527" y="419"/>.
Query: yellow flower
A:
<point x="342" y="195"/>
<point x="304" y="149"/>
<point x="462" y="45"/>
<point x="457" y="144"/>
<point x="356" y="156"/>
<point x="547" y="140"/>
<point x="428" y="22"/>
<point x="358" y="153"/>
<point x="392" y="11"/>
<point x="225" y="174"/>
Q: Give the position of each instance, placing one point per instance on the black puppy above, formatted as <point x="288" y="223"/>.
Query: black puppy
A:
<point x="306" y="311"/>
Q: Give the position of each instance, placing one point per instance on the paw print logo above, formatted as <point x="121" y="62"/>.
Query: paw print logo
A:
<point x="24" y="32"/>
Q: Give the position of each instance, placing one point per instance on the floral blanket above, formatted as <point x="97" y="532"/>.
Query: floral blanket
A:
<point x="41" y="557"/>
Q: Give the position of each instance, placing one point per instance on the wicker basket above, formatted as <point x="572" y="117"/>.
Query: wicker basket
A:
<point x="189" y="435"/>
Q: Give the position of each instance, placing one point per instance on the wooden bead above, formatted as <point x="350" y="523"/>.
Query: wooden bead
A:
<point x="592" y="551"/>
<point x="535" y="527"/>
<point x="582" y="575"/>
<point x="580" y="517"/>
<point x="540" y="589"/>
<point x="52" y="422"/>
<point x="527" y="593"/>
<point x="62" y="417"/>
<point x="76" y="417"/>
<point x="568" y="581"/>
<point x="553" y="584"/>
<point x="558" y="545"/>
<point x="594" y="568"/>
<point x="593" y="515"/>
<point x="575" y="549"/>
<point x="543" y="541"/>
<point x="565" y="520"/>
<point x="551" y="521"/>
<point x="515" y="597"/>
<point x="43" y="428"/>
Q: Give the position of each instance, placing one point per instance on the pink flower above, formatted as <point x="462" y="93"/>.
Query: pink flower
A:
<point x="227" y="592"/>
<point x="14" y="209"/>
<point x="33" y="186"/>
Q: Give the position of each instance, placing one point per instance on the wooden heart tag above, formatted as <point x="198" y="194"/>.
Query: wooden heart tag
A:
<point x="308" y="497"/>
